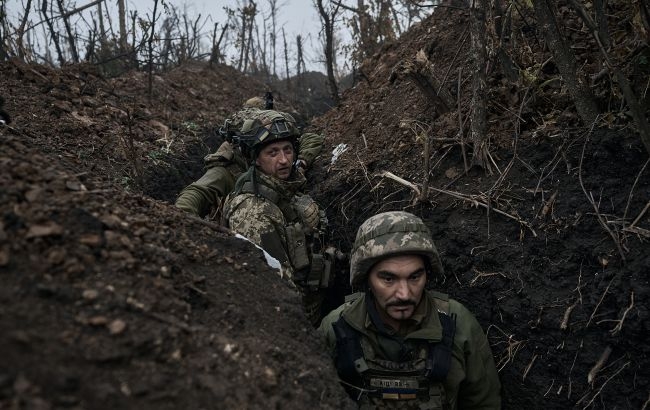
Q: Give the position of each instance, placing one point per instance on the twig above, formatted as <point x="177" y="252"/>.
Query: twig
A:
<point x="599" y="365"/>
<point x="600" y="301"/>
<point x="629" y="197"/>
<point x="640" y="215"/>
<point x="567" y="314"/>
<point x="550" y="387"/>
<point x="547" y="206"/>
<point x="575" y="357"/>
<point x="647" y="402"/>
<point x="402" y="181"/>
<point x="469" y="198"/>
<point x="601" y="387"/>
<point x="530" y="365"/>
<point x="480" y="274"/>
<point x="619" y="326"/>
<point x="593" y="203"/>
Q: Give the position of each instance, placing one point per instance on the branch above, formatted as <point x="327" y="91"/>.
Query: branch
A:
<point x="469" y="198"/>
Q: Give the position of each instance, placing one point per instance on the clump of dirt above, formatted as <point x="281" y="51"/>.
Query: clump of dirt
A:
<point x="550" y="251"/>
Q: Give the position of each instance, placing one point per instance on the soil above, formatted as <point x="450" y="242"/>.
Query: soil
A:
<point x="113" y="298"/>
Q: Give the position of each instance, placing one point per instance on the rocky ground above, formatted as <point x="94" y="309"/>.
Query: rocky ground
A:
<point x="112" y="298"/>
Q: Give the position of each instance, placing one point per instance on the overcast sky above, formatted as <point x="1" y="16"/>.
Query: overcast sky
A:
<point x="296" y="16"/>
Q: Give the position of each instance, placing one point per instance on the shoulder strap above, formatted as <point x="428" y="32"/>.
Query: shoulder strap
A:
<point x="262" y="190"/>
<point x="439" y="357"/>
<point x="349" y="359"/>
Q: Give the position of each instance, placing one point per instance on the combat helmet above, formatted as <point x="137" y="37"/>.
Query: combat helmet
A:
<point x="390" y="234"/>
<point x="255" y="102"/>
<point x="266" y="127"/>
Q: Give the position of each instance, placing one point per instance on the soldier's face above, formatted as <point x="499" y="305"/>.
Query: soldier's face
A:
<point x="398" y="284"/>
<point x="276" y="159"/>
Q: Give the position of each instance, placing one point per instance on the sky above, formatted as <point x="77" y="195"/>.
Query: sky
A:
<point x="296" y="16"/>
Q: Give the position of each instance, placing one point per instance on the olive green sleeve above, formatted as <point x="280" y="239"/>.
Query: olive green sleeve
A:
<point x="481" y="389"/>
<point x="310" y="147"/>
<point x="198" y="197"/>
<point x="326" y="331"/>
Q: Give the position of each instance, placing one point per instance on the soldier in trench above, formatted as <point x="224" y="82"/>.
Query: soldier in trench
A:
<point x="397" y="345"/>
<point x="223" y="167"/>
<point x="267" y="206"/>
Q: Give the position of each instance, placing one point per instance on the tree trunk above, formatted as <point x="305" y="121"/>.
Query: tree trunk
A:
<point x="121" y="10"/>
<point x="53" y="33"/>
<point x="328" y="27"/>
<point x="566" y="62"/>
<point x="21" y="29"/>
<point x="68" y="29"/>
<point x="286" y="59"/>
<point x="478" y="130"/>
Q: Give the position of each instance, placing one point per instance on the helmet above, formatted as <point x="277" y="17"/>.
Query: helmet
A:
<point x="266" y="127"/>
<point x="255" y="102"/>
<point x="390" y="234"/>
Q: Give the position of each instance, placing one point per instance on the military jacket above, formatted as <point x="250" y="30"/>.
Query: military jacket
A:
<point x="224" y="167"/>
<point x="267" y="215"/>
<point x="472" y="382"/>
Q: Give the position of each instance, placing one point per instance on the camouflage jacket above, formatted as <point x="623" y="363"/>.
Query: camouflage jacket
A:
<point x="265" y="213"/>
<point x="222" y="170"/>
<point x="472" y="381"/>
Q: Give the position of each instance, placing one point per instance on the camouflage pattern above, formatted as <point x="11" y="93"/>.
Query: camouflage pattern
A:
<point x="262" y="221"/>
<point x="224" y="166"/>
<point x="279" y="228"/>
<point x="472" y="382"/>
<point x="255" y="102"/>
<point x="388" y="234"/>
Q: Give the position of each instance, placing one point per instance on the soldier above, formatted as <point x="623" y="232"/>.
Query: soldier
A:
<point x="397" y="345"/>
<point x="225" y="165"/>
<point x="268" y="208"/>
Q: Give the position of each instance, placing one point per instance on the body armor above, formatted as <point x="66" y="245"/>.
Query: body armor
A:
<point x="414" y="383"/>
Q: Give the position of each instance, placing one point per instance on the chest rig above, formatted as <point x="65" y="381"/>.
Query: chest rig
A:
<point x="305" y="230"/>
<point x="416" y="382"/>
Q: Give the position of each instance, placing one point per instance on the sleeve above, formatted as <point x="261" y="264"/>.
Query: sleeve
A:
<point x="310" y="147"/>
<point x="262" y="223"/>
<point x="481" y="389"/>
<point x="198" y="197"/>
<point x="326" y="331"/>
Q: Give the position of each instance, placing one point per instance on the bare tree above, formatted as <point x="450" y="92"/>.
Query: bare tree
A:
<point x="215" y="54"/>
<point x="3" y="24"/>
<point x="53" y="33"/>
<point x="328" y="18"/>
<point x="566" y="62"/>
<point x="273" y="5"/>
<point x="599" y="30"/>
<point x="21" y="29"/>
<point x="300" y="61"/>
<point x="150" y="43"/>
<point x="286" y="59"/>
<point x="68" y="29"/>
<point x="479" y="110"/>
<point x="121" y="10"/>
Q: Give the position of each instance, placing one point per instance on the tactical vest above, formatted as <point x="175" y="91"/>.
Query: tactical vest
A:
<point x="385" y="384"/>
<point x="312" y="263"/>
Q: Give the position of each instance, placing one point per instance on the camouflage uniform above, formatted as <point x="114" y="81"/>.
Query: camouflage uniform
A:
<point x="225" y="165"/>
<point x="276" y="215"/>
<point x="439" y="359"/>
